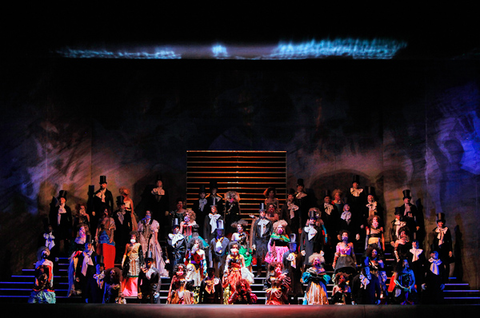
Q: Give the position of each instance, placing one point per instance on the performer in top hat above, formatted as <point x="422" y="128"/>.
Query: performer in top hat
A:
<point x="442" y="241"/>
<point x="261" y="232"/>
<point x="302" y="201"/>
<point x="290" y="213"/>
<point x="61" y="221"/>
<point x="201" y="207"/>
<point x="102" y="199"/>
<point x="409" y="213"/>
<point x="213" y="198"/>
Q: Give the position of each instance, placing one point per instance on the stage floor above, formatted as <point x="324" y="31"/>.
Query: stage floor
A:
<point x="236" y="311"/>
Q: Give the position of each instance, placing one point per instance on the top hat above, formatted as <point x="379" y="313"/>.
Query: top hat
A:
<point x="406" y="194"/>
<point x="300" y="182"/>
<point x="441" y="217"/>
<point x="202" y="189"/>
<point x="371" y="190"/>
<point x="262" y="207"/>
<point x="120" y="200"/>
<point x="398" y="211"/>
<point x="62" y="194"/>
<point x="103" y="179"/>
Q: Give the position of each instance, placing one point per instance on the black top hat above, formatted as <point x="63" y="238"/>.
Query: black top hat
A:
<point x="103" y="179"/>
<point x="120" y="200"/>
<point x="371" y="190"/>
<point x="262" y="207"/>
<point x="312" y="214"/>
<point x="326" y="193"/>
<point x="202" y="189"/>
<point x="406" y="194"/>
<point x="398" y="211"/>
<point x="62" y="194"/>
<point x="441" y="217"/>
<point x="300" y="182"/>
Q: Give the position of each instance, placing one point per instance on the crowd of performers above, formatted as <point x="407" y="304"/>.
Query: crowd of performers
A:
<point x="211" y="249"/>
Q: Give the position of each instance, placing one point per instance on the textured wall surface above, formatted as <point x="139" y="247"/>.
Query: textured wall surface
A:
<point x="398" y="125"/>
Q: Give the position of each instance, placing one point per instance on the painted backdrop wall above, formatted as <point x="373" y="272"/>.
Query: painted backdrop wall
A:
<point x="398" y="124"/>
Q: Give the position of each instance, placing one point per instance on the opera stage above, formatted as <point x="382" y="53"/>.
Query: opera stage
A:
<point x="236" y="311"/>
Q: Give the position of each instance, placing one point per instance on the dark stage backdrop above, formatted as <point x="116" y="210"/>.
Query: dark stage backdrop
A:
<point x="397" y="124"/>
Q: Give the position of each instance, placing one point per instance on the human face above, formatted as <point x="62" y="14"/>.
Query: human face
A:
<point x="346" y="207"/>
<point x="370" y="198"/>
<point x="271" y="208"/>
<point x="179" y="205"/>
<point x="337" y="196"/>
<point x="239" y="228"/>
<point x="103" y="185"/>
<point x="62" y="200"/>
<point x="326" y="199"/>
<point x="345" y="236"/>
<point x="375" y="222"/>
<point x="355" y="185"/>
<point x="271" y="194"/>
<point x="406" y="200"/>
<point x="234" y="249"/>
<point x="213" y="209"/>
<point x="148" y="215"/>
<point x="299" y="188"/>
<point x="440" y="224"/>
<point x="262" y="214"/>
<point x="316" y="261"/>
<point x="290" y="198"/>
<point x="278" y="269"/>
<point x="280" y="229"/>
<point x="415" y="244"/>
<point x="202" y="195"/>
<point x="159" y="183"/>
<point x="180" y="271"/>
<point x="374" y="253"/>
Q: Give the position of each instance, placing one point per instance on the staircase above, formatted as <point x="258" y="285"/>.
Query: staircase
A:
<point x="19" y="287"/>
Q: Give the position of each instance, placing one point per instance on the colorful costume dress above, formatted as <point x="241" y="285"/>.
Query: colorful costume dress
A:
<point x="43" y="292"/>
<point x="317" y="280"/>
<point x="131" y="263"/>
<point x="148" y="230"/>
<point x="242" y="240"/>
<point x="279" y="287"/>
<point x="345" y="261"/>
<point x="180" y="292"/>
<point x="278" y="245"/>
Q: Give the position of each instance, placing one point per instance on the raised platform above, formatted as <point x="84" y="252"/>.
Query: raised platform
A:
<point x="236" y="311"/>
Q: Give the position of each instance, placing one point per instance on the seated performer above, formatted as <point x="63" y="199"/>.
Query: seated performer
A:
<point x="211" y="291"/>
<point x="180" y="291"/>
<point x="341" y="292"/>
<point x="278" y="284"/>
<point x="243" y="294"/>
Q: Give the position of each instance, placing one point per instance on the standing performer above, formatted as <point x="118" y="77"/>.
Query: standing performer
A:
<point x="148" y="231"/>
<point x="102" y="199"/>
<point x="211" y="291"/>
<point x="317" y="280"/>
<point x="43" y="292"/>
<point x="180" y="291"/>
<point x="278" y="284"/>
<point x="262" y="230"/>
<point x="61" y="221"/>
<point x="131" y="263"/>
